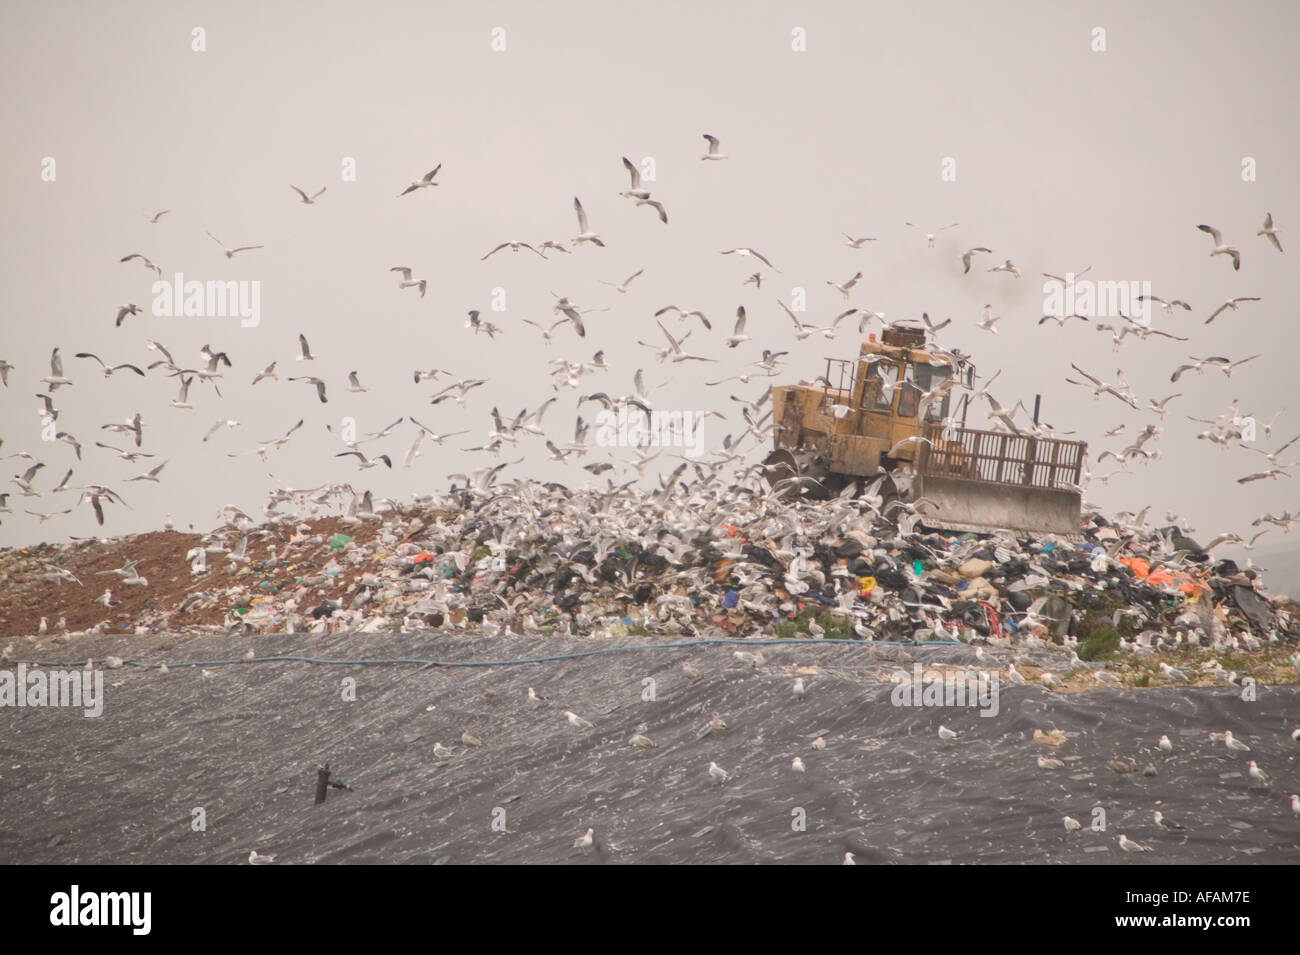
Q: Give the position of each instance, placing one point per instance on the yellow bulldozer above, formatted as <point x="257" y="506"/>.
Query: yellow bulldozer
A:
<point x="895" y="411"/>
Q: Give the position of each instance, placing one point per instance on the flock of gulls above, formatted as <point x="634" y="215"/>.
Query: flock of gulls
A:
<point x="571" y="324"/>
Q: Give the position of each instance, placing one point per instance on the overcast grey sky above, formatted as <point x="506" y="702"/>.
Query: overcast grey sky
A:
<point x="1064" y="158"/>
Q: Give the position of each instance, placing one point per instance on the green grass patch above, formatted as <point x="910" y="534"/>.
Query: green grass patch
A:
<point x="836" y="627"/>
<point x="1101" y="644"/>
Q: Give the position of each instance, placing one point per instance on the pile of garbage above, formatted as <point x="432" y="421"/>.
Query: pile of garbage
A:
<point x="704" y="561"/>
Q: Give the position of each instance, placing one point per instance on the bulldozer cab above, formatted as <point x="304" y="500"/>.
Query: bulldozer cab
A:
<point x="888" y="382"/>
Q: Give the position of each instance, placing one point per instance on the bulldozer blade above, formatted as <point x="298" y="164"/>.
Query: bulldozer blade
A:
<point x="980" y="506"/>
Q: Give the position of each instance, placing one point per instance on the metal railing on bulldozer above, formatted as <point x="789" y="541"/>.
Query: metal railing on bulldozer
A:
<point x="999" y="457"/>
<point x="841" y="375"/>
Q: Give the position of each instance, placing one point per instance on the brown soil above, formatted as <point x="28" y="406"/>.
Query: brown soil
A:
<point x="25" y="597"/>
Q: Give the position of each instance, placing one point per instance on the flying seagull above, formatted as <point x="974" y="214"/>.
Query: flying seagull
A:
<point x="407" y="281"/>
<point x="1167" y="306"/>
<point x="423" y="183"/>
<point x="929" y="236"/>
<point x="151" y="475"/>
<point x="143" y="261"/>
<point x="304" y="350"/>
<point x="157" y="216"/>
<point x="1159" y="406"/>
<point x="1227" y="367"/>
<point x="634" y="191"/>
<point x="1273" y="455"/>
<point x="308" y="200"/>
<point x="490" y="329"/>
<point x="936" y="327"/>
<point x="223" y="423"/>
<point x="997" y="412"/>
<point x="76" y="446"/>
<point x="847" y="287"/>
<point x="132" y="425"/>
<point x="714" y="151"/>
<point x="676" y="348"/>
<point x="1062" y="319"/>
<point x="458" y="391"/>
<point x="856" y="243"/>
<point x="769" y="360"/>
<point x="1220" y="247"/>
<point x="230" y="253"/>
<point x="1100" y="387"/>
<point x="657" y="206"/>
<point x="1273" y="473"/>
<point x="25" y="480"/>
<point x="108" y="370"/>
<point x="584" y="232"/>
<point x="546" y="332"/>
<point x="1198" y="366"/>
<point x="1270" y="232"/>
<point x="158" y="347"/>
<point x="1231" y="303"/>
<point x="438" y="439"/>
<point x="320" y="386"/>
<point x="1073" y="275"/>
<point x="367" y="462"/>
<point x="738" y="335"/>
<point x="570" y="311"/>
<point x="748" y="251"/>
<point x="56" y="378"/>
<point x="96" y="494"/>
<point x="684" y="314"/>
<point x="215" y="359"/>
<point x="123" y="311"/>
<point x="125" y="455"/>
<point x="628" y="281"/>
<point x="267" y="372"/>
<point x="513" y="246"/>
<point x="968" y="255"/>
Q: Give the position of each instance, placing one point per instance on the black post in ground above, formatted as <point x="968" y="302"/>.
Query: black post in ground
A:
<point x="322" y="783"/>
